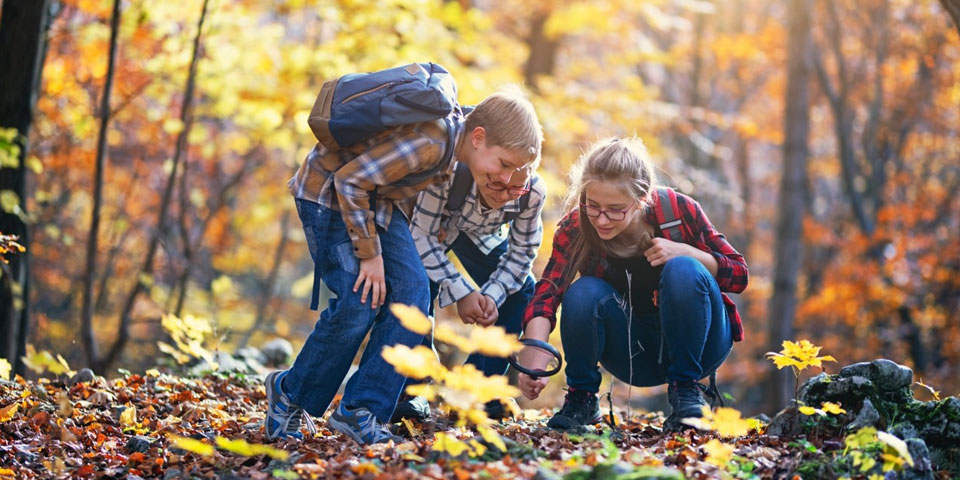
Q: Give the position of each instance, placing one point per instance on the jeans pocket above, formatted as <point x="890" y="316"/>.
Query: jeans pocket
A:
<point x="342" y="255"/>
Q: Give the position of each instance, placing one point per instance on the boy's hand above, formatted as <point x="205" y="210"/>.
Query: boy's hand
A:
<point x="372" y="278"/>
<point x="470" y="308"/>
<point x="490" y="313"/>
<point x="534" y="359"/>
<point x="663" y="250"/>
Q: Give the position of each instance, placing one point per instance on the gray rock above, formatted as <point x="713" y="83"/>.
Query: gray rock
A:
<point x="250" y="353"/>
<point x="277" y="351"/>
<point x="885" y="374"/>
<point x="922" y="468"/>
<point x="951" y="409"/>
<point x="763" y="417"/>
<point x="905" y="431"/>
<point x="545" y="474"/>
<point x="138" y="443"/>
<point x="171" y="473"/>
<point x="847" y="391"/>
<point x="784" y="424"/>
<point x="867" y="417"/>
<point x="84" y="375"/>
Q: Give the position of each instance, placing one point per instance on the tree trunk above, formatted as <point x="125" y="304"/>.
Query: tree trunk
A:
<point x="23" y="41"/>
<point x="89" y="338"/>
<point x="123" y="328"/>
<point x="953" y="8"/>
<point x="543" y="51"/>
<point x="791" y="208"/>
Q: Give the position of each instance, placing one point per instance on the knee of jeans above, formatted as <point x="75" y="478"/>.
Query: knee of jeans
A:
<point x="683" y="273"/>
<point x="580" y="301"/>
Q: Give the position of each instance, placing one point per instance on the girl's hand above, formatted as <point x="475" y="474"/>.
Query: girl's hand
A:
<point x="529" y="386"/>
<point x="664" y="250"/>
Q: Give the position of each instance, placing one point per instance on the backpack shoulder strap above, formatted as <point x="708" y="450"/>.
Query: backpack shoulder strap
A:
<point x="462" y="181"/>
<point x="668" y="214"/>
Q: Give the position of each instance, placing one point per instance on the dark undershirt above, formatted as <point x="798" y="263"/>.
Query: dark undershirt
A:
<point x="645" y="280"/>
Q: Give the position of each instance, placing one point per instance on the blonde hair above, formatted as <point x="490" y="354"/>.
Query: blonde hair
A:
<point x="510" y="122"/>
<point x="622" y="161"/>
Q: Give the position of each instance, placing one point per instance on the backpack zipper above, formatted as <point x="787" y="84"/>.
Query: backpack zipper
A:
<point x="365" y="92"/>
<point x="422" y="108"/>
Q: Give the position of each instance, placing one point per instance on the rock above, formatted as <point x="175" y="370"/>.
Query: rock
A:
<point x="849" y="392"/>
<point x="885" y="374"/>
<point x="867" y="417"/>
<point x="171" y="474"/>
<point x="545" y="474"/>
<point x="277" y="351"/>
<point x="922" y="468"/>
<point x="785" y="424"/>
<point x="250" y="353"/>
<point x="951" y="409"/>
<point x="84" y="375"/>
<point x="762" y="417"/>
<point x="138" y="443"/>
<point x="904" y="431"/>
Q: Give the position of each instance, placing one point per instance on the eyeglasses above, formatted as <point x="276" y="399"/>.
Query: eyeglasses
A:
<point x="614" y="215"/>
<point x="514" y="191"/>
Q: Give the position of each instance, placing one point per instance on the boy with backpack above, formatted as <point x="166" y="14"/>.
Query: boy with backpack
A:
<point x="467" y="215"/>
<point x="383" y="137"/>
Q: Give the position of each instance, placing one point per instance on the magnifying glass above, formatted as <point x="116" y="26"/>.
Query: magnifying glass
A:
<point x="542" y="349"/>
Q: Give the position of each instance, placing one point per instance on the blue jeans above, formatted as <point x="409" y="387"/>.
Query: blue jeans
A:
<point x="509" y="315"/>
<point x="329" y="350"/>
<point x="692" y="323"/>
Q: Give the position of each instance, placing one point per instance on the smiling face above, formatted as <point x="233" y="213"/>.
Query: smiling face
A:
<point x="606" y="199"/>
<point x="496" y="167"/>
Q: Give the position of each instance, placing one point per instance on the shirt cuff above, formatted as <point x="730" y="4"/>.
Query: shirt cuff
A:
<point x="365" y="248"/>
<point x="495" y="291"/>
<point x="454" y="290"/>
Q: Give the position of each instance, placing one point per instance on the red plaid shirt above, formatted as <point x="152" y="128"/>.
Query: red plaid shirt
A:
<point x="696" y="230"/>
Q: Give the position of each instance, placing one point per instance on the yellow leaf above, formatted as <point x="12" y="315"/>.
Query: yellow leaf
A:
<point x="45" y="361"/>
<point x="411" y="318"/>
<point x="494" y="341"/>
<point x="833" y="408"/>
<point x="128" y="417"/>
<point x="424" y="390"/>
<point x="449" y="444"/>
<point x="418" y="363"/>
<point x="478" y="448"/>
<point x="414" y="430"/>
<point x="899" y="446"/>
<point x="4" y="369"/>
<point x="718" y="453"/>
<point x="153" y="372"/>
<point x="491" y="436"/>
<point x="806" y="410"/>
<point x="191" y="445"/>
<point x="6" y="413"/>
<point x="241" y="447"/>
<point x="445" y="334"/>
<point x="725" y="421"/>
<point x="6" y="472"/>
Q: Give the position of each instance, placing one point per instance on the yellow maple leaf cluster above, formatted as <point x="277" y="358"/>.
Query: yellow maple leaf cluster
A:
<point x="718" y="453"/>
<point x="188" y="334"/>
<point x="463" y="388"/>
<point x="798" y="356"/>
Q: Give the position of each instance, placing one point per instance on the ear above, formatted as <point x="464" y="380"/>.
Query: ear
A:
<point x="478" y="137"/>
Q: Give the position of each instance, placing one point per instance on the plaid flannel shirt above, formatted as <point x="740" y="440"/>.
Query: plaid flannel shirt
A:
<point x="350" y="179"/>
<point x="485" y="227"/>
<point x="732" y="275"/>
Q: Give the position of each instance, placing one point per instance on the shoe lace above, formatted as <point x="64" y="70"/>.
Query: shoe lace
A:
<point x="370" y="429"/>
<point x="575" y="400"/>
<point x="290" y="416"/>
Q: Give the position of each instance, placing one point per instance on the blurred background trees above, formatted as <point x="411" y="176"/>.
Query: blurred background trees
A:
<point x="194" y="216"/>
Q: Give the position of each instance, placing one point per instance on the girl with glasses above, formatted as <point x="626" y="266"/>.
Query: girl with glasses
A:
<point x="650" y="310"/>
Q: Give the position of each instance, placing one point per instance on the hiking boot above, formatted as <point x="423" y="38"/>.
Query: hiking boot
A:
<point x="580" y="408"/>
<point x="686" y="400"/>
<point x="283" y="417"/>
<point x="413" y="408"/>
<point x="360" y="425"/>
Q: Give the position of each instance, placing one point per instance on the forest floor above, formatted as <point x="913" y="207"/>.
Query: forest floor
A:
<point x="132" y="427"/>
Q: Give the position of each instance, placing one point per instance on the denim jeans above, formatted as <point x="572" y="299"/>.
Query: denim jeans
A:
<point x="329" y="350"/>
<point x="692" y="321"/>
<point x="509" y="315"/>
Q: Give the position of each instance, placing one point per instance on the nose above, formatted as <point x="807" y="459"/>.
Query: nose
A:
<point x="505" y="175"/>
<point x="602" y="220"/>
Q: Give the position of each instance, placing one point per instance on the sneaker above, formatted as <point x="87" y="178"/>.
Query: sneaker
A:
<point x="283" y="417"/>
<point x="580" y="408"/>
<point x="413" y="408"/>
<point x="360" y="425"/>
<point x="686" y="400"/>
